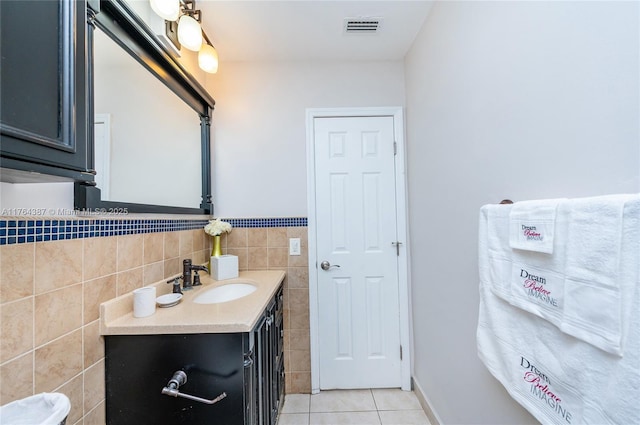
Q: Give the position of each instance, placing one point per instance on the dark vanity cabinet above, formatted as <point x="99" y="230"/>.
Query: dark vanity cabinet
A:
<point x="247" y="366"/>
<point x="270" y="363"/>
<point x="43" y="110"/>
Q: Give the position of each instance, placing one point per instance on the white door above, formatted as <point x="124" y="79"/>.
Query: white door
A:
<point x="358" y="301"/>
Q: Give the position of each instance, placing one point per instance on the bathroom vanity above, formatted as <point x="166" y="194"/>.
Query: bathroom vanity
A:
<point x="231" y="351"/>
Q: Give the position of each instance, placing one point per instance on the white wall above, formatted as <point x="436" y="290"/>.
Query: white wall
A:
<point x="48" y="198"/>
<point x="519" y="100"/>
<point x="259" y="156"/>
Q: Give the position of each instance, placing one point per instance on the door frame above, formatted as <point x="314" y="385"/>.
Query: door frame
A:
<point x="102" y="157"/>
<point x="402" y="231"/>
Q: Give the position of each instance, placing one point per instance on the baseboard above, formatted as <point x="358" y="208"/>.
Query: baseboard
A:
<point x="424" y="402"/>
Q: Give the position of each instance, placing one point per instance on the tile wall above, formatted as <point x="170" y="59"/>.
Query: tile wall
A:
<point x="50" y="292"/>
<point x="268" y="248"/>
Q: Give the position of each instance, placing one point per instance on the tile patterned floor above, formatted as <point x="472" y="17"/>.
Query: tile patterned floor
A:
<point x="356" y="407"/>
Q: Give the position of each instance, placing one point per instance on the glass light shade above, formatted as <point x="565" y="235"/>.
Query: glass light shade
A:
<point x="208" y="59"/>
<point x="189" y="33"/>
<point x="166" y="9"/>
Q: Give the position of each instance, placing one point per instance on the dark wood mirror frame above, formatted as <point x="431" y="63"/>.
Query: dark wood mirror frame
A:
<point x="119" y="22"/>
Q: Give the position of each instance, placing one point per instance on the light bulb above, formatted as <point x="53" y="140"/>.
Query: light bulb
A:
<point x="166" y="9"/>
<point x="208" y="59"/>
<point x="189" y="33"/>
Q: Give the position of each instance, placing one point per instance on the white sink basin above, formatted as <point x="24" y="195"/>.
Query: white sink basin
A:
<point x="224" y="293"/>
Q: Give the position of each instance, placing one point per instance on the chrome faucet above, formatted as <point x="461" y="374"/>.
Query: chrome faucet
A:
<point x="187" y="268"/>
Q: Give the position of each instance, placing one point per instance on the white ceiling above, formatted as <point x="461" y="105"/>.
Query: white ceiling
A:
<point x="307" y="30"/>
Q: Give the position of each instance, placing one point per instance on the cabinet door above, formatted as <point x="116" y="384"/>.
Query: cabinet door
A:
<point x="250" y="382"/>
<point x="264" y="370"/>
<point x="269" y="344"/>
<point x="137" y="367"/>
<point x="43" y="103"/>
<point x="278" y="371"/>
<point x="276" y="355"/>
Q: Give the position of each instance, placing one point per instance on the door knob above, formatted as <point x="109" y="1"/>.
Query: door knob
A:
<point x="325" y="265"/>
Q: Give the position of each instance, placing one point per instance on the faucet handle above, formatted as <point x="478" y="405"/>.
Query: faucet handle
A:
<point x="196" y="276"/>
<point x="176" y="284"/>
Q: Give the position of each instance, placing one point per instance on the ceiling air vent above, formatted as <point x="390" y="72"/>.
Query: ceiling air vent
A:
<point x="362" y="25"/>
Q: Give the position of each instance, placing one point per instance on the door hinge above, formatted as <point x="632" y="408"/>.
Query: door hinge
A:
<point x="395" y="148"/>
<point x="401" y="352"/>
<point x="397" y="245"/>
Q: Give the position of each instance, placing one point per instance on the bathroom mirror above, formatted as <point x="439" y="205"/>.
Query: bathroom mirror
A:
<point x="144" y="133"/>
<point x="151" y="128"/>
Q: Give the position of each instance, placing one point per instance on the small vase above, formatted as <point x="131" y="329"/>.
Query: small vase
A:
<point x="216" y="251"/>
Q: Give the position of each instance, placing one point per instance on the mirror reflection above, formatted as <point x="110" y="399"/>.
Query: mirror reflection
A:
<point x="147" y="140"/>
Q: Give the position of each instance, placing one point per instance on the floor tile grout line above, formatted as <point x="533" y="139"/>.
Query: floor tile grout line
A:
<point x="374" y="398"/>
<point x="347" y="411"/>
<point x="353" y="411"/>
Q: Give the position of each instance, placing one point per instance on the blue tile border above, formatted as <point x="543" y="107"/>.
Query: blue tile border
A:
<point x="268" y="222"/>
<point x="16" y="231"/>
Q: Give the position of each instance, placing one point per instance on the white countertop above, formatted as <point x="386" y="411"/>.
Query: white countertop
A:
<point x="241" y="315"/>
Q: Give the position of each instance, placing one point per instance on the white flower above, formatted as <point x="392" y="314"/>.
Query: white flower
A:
<point x="217" y="227"/>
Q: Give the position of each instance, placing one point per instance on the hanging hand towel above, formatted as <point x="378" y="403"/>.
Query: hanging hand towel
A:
<point x="532" y="225"/>
<point x="530" y="280"/>
<point x="537" y="278"/>
<point x="601" y="268"/>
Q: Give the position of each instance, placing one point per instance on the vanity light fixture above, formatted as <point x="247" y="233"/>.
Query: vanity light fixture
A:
<point x="169" y="10"/>
<point x="208" y="56"/>
<point x="189" y="30"/>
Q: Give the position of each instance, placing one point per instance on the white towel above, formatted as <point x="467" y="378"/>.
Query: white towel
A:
<point x="537" y="278"/>
<point x="532" y="225"/>
<point x="599" y="270"/>
<point x="556" y="377"/>
<point x="580" y="286"/>
<point x="498" y="249"/>
<point x="530" y="280"/>
<point x="594" y="237"/>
